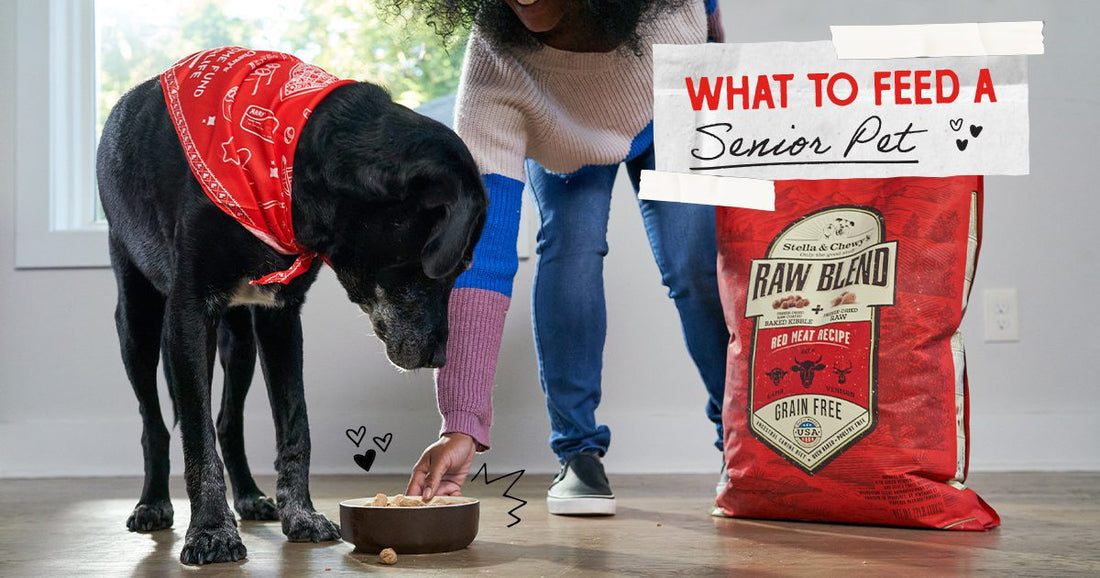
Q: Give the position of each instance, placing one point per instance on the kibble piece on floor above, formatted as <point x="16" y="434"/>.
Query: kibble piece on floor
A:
<point x="388" y="556"/>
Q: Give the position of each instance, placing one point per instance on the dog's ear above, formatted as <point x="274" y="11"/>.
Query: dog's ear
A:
<point x="313" y="227"/>
<point x="462" y="207"/>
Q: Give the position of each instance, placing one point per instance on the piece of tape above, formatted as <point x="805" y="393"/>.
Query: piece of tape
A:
<point x="937" y="40"/>
<point x="708" y="190"/>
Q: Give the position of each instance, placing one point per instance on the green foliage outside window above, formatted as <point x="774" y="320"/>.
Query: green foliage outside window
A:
<point x="355" y="39"/>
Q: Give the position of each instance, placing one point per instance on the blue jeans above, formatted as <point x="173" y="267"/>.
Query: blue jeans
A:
<point x="568" y="309"/>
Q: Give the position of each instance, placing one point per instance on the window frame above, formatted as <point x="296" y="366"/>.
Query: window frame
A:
<point x="55" y="224"/>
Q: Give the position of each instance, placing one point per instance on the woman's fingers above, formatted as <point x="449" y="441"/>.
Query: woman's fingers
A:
<point x="419" y="474"/>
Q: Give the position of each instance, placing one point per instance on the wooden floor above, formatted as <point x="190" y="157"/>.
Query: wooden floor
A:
<point x="1051" y="526"/>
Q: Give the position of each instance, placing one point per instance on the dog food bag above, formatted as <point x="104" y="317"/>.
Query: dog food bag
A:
<point x="846" y="393"/>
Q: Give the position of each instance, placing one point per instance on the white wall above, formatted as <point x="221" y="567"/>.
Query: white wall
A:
<point x="66" y="408"/>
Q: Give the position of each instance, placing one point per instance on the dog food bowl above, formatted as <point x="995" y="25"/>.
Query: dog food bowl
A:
<point x="411" y="530"/>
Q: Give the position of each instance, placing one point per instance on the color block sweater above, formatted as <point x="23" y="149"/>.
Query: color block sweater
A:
<point x="565" y="110"/>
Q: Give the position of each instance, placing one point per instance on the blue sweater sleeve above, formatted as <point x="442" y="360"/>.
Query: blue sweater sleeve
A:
<point x="495" y="258"/>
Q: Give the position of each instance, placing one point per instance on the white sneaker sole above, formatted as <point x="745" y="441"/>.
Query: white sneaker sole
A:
<point x="581" y="506"/>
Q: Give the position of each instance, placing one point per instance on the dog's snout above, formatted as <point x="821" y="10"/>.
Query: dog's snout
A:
<point x="380" y="329"/>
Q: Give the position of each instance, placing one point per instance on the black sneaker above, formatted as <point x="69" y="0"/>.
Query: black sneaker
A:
<point x="581" y="489"/>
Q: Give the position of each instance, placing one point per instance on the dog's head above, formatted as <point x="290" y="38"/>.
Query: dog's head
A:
<point x="395" y="203"/>
<point x="838" y="228"/>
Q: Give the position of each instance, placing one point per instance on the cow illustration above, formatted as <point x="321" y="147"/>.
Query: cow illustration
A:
<point x="806" y="369"/>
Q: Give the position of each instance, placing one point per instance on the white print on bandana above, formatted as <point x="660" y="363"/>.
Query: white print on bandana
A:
<point x="304" y="79"/>
<point x="232" y="154"/>
<point x="260" y="122"/>
<point x="227" y="104"/>
<point x="262" y="73"/>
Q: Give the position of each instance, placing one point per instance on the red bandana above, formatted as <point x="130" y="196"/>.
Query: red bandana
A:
<point x="238" y="113"/>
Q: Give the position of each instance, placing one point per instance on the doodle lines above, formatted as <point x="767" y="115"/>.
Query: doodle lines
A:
<point x="522" y="502"/>
<point x="956" y="125"/>
<point x="366" y="459"/>
<point x="356" y="435"/>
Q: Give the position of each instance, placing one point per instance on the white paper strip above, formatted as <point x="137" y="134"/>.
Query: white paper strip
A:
<point x="708" y="190"/>
<point x="784" y="110"/>
<point x="936" y="40"/>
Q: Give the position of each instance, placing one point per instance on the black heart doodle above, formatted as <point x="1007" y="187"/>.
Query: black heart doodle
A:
<point x="956" y="124"/>
<point x="383" y="442"/>
<point x="961" y="143"/>
<point x="975" y="130"/>
<point x="366" y="460"/>
<point x="356" y="435"/>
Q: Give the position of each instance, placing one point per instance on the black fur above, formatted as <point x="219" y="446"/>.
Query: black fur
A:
<point x="391" y="198"/>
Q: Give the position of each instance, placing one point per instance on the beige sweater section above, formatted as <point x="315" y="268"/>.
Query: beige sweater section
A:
<point x="562" y="109"/>
<point x="565" y="110"/>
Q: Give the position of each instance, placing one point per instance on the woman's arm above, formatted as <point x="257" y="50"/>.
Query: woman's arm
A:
<point x="489" y="119"/>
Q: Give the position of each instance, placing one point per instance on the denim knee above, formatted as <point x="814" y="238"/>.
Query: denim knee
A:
<point x="578" y="245"/>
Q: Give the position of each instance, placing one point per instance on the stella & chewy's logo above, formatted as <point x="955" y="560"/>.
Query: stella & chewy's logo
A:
<point x="814" y="300"/>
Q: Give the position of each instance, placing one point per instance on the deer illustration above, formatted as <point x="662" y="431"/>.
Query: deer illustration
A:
<point x="842" y="373"/>
<point x="806" y="369"/>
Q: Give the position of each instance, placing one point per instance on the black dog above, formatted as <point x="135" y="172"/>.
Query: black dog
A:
<point x="391" y="199"/>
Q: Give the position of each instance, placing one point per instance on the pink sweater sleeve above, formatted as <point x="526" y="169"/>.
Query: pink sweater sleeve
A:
<point x="464" y="384"/>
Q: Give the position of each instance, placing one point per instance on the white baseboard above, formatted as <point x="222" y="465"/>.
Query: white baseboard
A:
<point x="640" y="444"/>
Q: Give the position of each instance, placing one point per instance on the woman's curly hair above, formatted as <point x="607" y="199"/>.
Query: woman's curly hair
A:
<point x="621" y="20"/>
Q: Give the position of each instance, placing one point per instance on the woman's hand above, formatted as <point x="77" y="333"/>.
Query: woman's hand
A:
<point x="443" y="467"/>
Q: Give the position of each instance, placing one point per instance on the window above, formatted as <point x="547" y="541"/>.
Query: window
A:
<point x="54" y="204"/>
<point x="93" y="51"/>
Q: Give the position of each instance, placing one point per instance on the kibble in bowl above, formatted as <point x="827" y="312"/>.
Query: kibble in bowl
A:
<point x="403" y="501"/>
<point x="408" y="524"/>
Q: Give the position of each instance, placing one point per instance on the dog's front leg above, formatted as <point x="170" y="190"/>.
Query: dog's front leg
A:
<point x="189" y="340"/>
<point x="279" y="340"/>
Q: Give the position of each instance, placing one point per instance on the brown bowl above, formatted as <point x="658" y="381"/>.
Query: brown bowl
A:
<point x="415" y="530"/>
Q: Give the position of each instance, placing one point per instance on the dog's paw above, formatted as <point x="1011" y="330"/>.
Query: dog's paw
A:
<point x="210" y="545"/>
<point x="258" y="507"/>
<point x="306" y="526"/>
<point x="151" y="517"/>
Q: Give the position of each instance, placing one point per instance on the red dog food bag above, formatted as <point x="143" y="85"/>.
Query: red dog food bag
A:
<point x="846" y="393"/>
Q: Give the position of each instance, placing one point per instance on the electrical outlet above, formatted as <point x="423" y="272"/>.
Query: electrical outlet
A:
<point x="1002" y="317"/>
